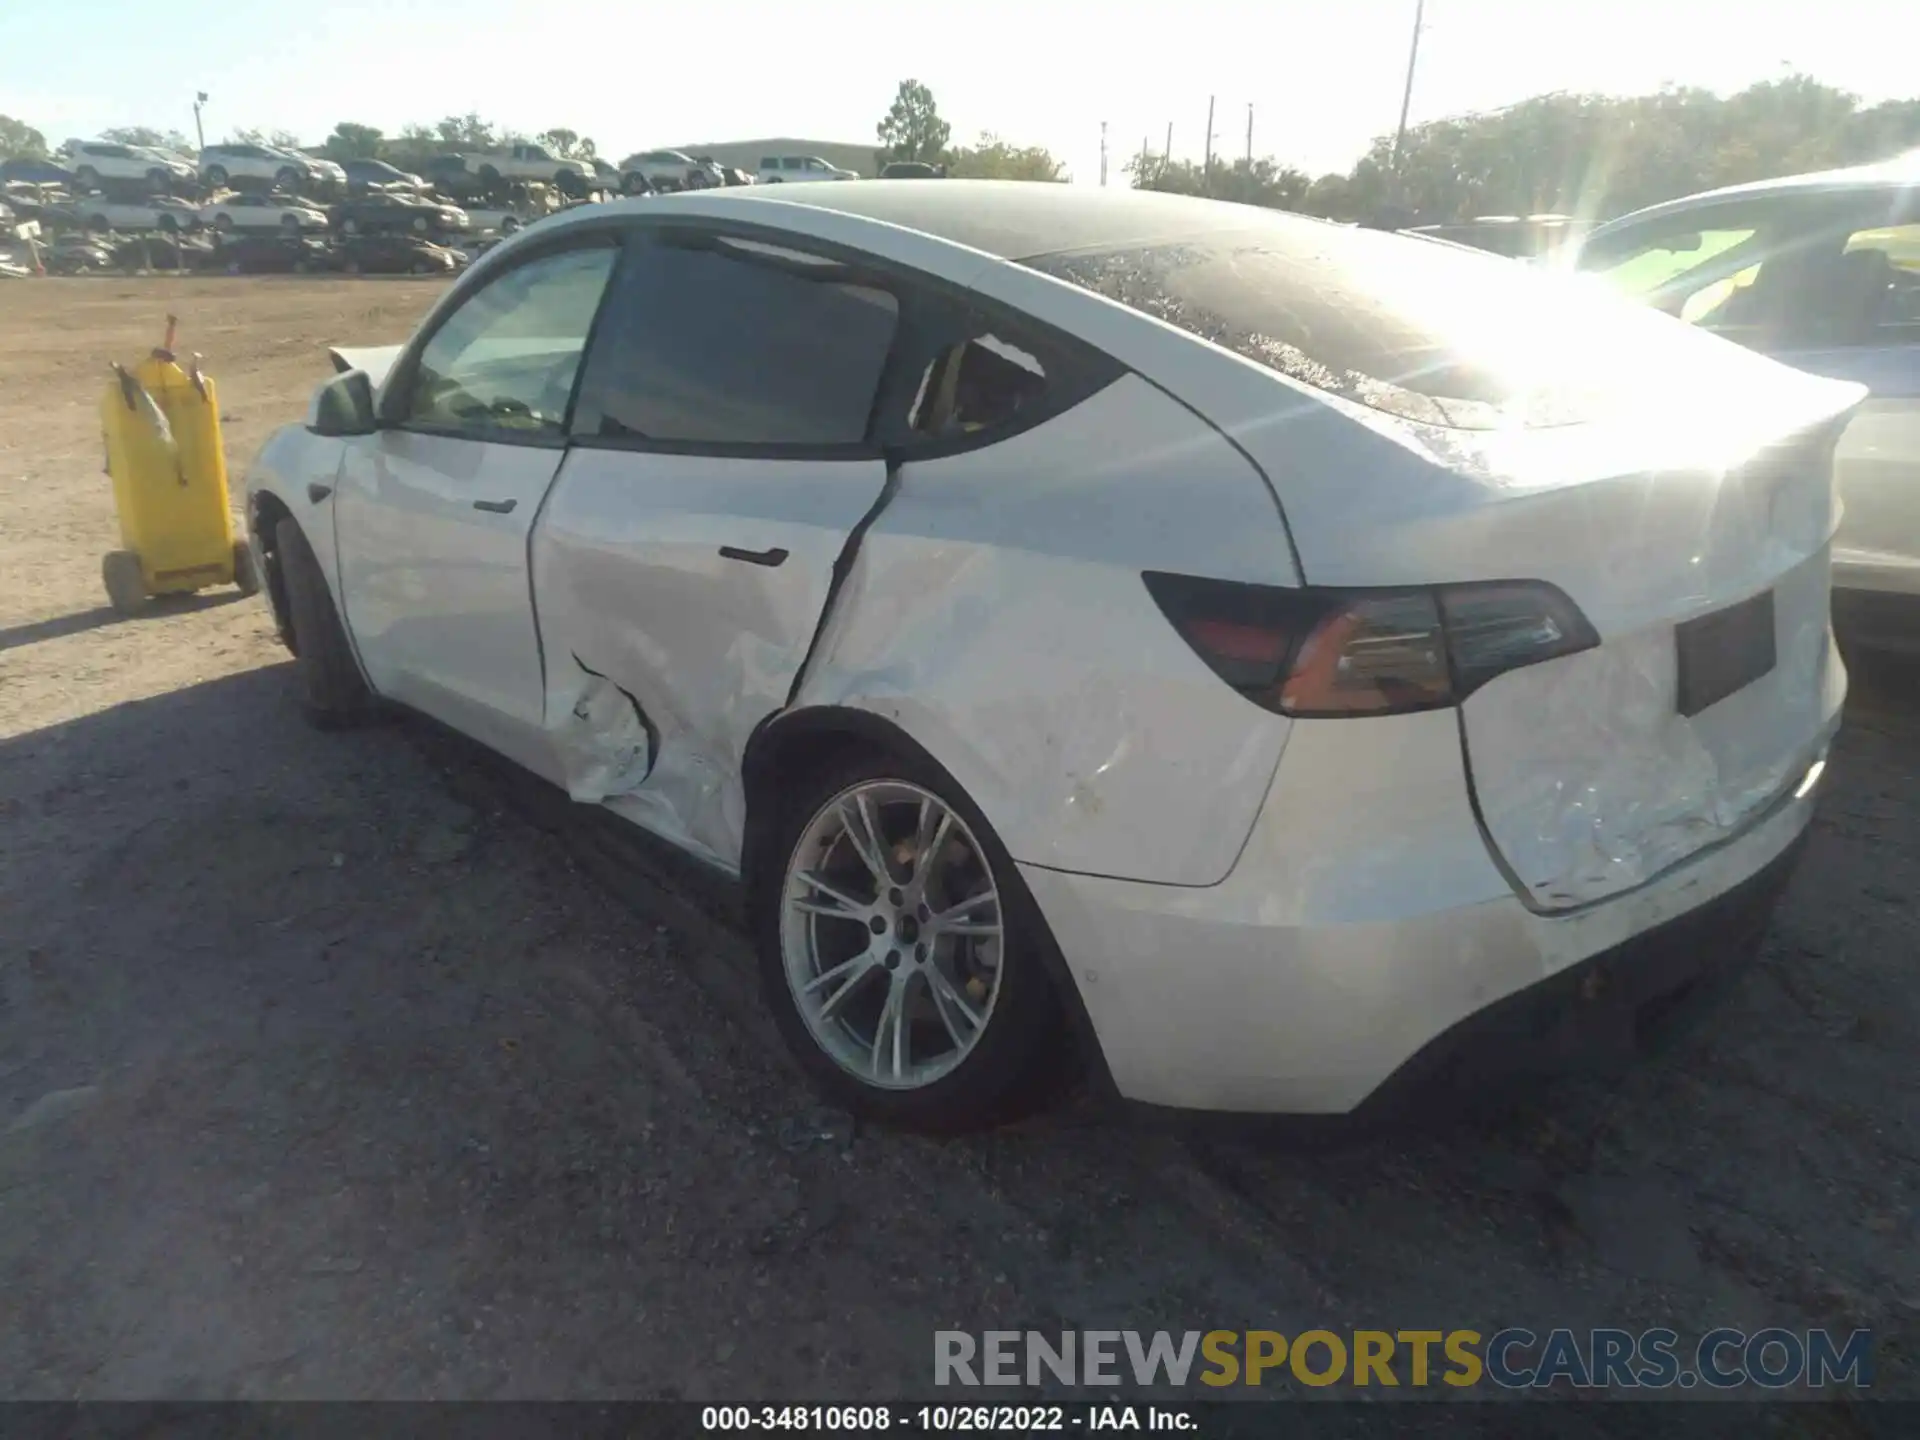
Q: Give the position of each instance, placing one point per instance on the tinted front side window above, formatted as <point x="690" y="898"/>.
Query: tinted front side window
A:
<point x="503" y="364"/>
<point x="739" y="345"/>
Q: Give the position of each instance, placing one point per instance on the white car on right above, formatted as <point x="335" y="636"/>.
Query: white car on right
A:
<point x="786" y="169"/>
<point x="1822" y="272"/>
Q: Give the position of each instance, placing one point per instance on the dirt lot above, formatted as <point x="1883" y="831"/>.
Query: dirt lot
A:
<point x="336" y="1066"/>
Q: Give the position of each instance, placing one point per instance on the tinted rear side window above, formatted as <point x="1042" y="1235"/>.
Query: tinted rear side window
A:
<point x="1427" y="332"/>
<point x="737" y="345"/>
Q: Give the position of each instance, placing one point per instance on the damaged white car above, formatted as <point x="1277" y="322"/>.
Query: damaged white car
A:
<point x="1294" y="664"/>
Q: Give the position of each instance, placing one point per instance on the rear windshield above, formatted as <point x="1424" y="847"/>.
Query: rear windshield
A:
<point x="1425" y="332"/>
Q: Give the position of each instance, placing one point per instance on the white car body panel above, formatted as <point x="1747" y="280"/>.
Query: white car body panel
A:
<point x="1876" y="468"/>
<point x="1087" y="730"/>
<point x="1877" y="471"/>
<point x="435" y="590"/>
<point x="1334" y="952"/>
<point x="630" y="585"/>
<point x="134" y="215"/>
<point x="138" y="164"/>
<point x="267" y="215"/>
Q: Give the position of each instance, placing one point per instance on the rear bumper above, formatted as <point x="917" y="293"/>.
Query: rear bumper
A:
<point x="1337" y="988"/>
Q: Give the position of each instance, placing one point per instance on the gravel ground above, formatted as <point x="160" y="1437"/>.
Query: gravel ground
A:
<point x="346" y="1066"/>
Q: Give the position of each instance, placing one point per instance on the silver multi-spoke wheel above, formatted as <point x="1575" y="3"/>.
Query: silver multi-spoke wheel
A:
<point x="890" y="934"/>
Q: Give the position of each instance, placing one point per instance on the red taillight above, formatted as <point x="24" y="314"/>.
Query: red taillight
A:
<point x="1312" y="652"/>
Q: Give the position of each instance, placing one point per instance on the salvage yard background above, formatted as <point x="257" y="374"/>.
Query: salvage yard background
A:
<point x="342" y="1066"/>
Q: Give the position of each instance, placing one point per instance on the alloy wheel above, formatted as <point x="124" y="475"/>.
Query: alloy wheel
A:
<point x="891" y="934"/>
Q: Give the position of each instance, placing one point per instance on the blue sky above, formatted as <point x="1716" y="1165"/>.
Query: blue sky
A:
<point x="1323" y="76"/>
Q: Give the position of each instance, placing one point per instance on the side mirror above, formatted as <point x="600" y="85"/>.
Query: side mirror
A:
<point x="1683" y="244"/>
<point x="344" y="406"/>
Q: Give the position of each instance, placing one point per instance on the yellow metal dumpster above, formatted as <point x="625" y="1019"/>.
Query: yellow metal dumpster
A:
<point x="169" y="472"/>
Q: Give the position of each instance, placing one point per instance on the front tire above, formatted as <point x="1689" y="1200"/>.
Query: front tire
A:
<point x="898" y="951"/>
<point x="333" y="695"/>
<point x="216" y="177"/>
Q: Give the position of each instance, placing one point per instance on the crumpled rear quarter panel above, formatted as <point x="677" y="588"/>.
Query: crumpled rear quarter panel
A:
<point x="998" y="615"/>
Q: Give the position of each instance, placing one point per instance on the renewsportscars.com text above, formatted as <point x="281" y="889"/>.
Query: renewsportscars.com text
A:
<point x="1725" y="1359"/>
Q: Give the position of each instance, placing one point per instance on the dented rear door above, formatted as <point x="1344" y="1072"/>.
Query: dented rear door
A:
<point x="720" y="466"/>
<point x="677" y="599"/>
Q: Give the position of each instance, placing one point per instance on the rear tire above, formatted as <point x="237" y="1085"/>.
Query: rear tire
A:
<point x="216" y="177"/>
<point x="333" y="695"/>
<point x="973" y="1075"/>
<point x="246" y="567"/>
<point x="126" y="586"/>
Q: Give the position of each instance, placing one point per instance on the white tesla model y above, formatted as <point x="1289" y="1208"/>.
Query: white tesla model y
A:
<point x="1292" y="662"/>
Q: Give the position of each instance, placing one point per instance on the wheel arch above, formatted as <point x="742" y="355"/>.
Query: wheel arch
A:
<point x="796" y="741"/>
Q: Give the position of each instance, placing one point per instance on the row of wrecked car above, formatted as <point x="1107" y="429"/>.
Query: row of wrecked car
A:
<point x="385" y="254"/>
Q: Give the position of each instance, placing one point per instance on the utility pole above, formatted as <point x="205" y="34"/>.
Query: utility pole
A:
<point x="1249" y="139"/>
<point x="1406" y="97"/>
<point x="199" y="133"/>
<point x="1166" y="155"/>
<point x="1206" y="173"/>
<point x="1103" y="152"/>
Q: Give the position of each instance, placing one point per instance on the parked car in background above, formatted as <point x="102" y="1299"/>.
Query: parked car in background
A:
<point x="26" y="170"/>
<point x="78" y="254"/>
<point x="734" y="175"/>
<point x="450" y="174"/>
<point x="166" y="252"/>
<point x="272" y="255"/>
<point x="95" y="162"/>
<point x="668" y="170"/>
<point x="384" y="210"/>
<point x="532" y="162"/>
<point x="31" y="202"/>
<point x="322" y="173"/>
<point x="223" y="165"/>
<point x="1447" y="542"/>
<point x="379" y="175"/>
<point x="1528" y="237"/>
<point x="157" y="212"/>
<point x="263" y="212"/>
<point x="1820" y="272"/>
<point x="912" y="170"/>
<point x="394" y="254"/>
<point x="780" y="169"/>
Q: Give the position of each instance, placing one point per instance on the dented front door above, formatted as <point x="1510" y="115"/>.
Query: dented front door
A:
<point x="678" y="597"/>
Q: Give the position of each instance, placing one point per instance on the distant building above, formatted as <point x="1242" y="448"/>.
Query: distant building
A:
<point x="746" y="154"/>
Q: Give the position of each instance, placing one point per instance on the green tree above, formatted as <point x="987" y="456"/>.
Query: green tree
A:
<point x="1597" y="156"/>
<point x="1263" y="182"/>
<point x="913" y="129"/>
<point x="148" y="136"/>
<point x="19" y="139"/>
<point x="991" y="158"/>
<point x="355" y="142"/>
<point x="468" y="132"/>
<point x="277" y="139"/>
<point x="567" y="144"/>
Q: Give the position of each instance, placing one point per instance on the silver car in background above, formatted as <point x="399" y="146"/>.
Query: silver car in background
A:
<point x="1822" y="272"/>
